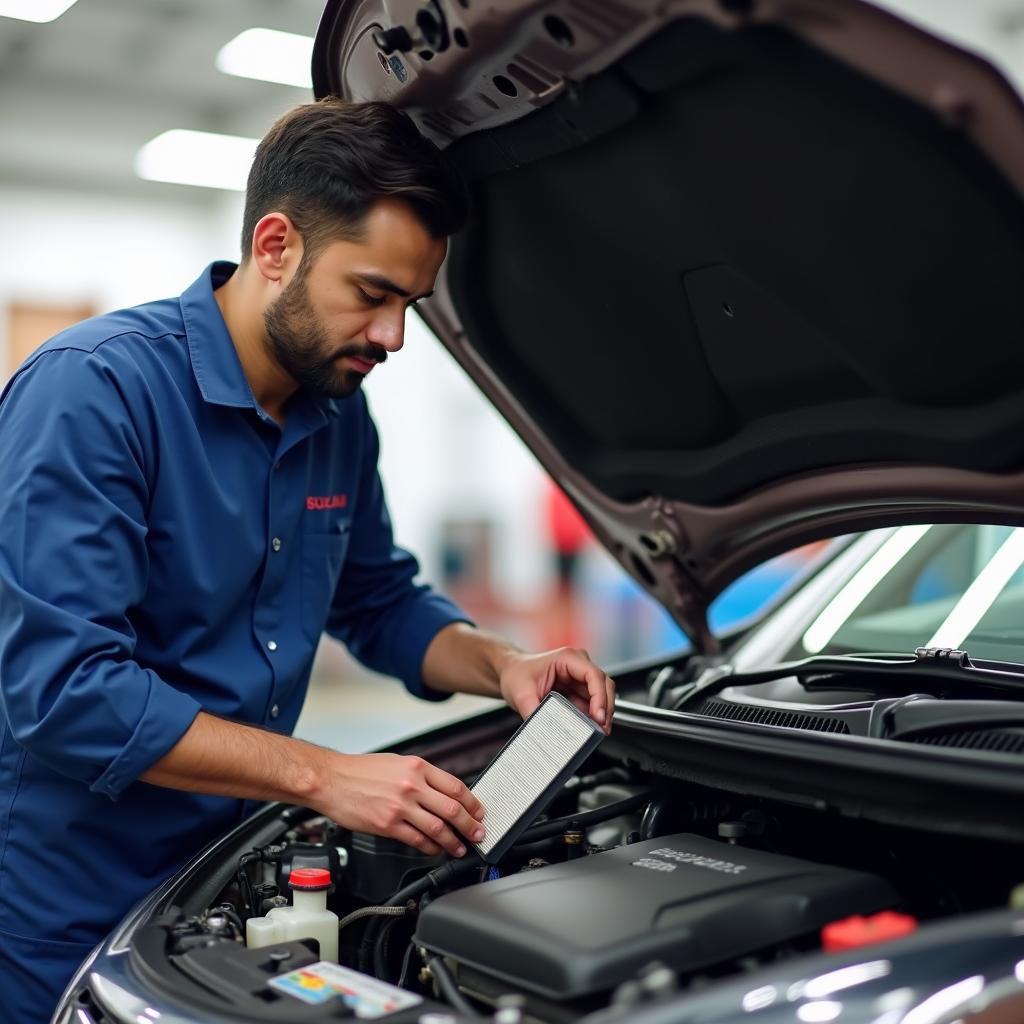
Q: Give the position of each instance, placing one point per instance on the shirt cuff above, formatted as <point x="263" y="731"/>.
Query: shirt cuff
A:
<point x="433" y="612"/>
<point x="165" y="719"/>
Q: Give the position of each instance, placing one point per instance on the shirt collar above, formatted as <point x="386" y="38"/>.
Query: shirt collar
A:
<point x="215" y="362"/>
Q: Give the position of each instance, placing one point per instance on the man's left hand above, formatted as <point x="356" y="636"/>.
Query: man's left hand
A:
<point x="526" y="679"/>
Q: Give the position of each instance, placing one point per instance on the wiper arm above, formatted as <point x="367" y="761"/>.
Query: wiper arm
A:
<point x="936" y="664"/>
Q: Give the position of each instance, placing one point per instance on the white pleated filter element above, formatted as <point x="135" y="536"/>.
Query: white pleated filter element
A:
<point x="529" y="765"/>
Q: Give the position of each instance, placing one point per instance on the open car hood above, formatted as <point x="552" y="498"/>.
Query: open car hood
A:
<point x="741" y="273"/>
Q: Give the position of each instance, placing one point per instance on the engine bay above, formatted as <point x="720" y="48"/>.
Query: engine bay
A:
<point x="582" y="927"/>
<point x="632" y="883"/>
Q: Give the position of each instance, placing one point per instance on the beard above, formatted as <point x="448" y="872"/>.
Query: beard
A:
<point x="297" y="340"/>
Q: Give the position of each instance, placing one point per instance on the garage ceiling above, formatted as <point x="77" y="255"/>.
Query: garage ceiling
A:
<point x="80" y="95"/>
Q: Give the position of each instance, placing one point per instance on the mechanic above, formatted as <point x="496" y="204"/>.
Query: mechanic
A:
<point x="191" y="497"/>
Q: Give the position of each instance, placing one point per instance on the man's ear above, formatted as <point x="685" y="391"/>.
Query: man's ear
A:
<point x="276" y="247"/>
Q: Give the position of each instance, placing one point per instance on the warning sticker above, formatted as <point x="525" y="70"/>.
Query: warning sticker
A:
<point x="323" y="981"/>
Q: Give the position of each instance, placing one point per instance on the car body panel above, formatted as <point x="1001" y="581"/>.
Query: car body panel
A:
<point x="722" y="339"/>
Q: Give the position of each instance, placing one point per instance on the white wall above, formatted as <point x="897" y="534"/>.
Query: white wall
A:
<point x="63" y="247"/>
<point x="445" y="452"/>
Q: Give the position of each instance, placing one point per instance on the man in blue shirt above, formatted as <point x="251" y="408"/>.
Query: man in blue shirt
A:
<point x="191" y="497"/>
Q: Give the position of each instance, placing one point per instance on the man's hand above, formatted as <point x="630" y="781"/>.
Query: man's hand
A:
<point x="386" y="794"/>
<point x="464" y="659"/>
<point x="526" y="679"/>
<point x="405" y="798"/>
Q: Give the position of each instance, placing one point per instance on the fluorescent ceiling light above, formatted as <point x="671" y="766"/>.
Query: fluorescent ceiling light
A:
<point x="982" y="593"/>
<point x="270" y="56"/>
<point x="197" y="158"/>
<point x="34" y="10"/>
<point x="846" y="602"/>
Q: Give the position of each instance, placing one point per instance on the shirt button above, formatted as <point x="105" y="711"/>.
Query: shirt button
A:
<point x="271" y="645"/>
<point x="276" y="543"/>
<point x="275" y="711"/>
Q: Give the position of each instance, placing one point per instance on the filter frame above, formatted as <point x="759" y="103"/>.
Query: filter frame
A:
<point x="589" y="745"/>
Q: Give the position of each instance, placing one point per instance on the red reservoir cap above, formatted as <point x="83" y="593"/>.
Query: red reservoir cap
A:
<point x="310" y="878"/>
<point x="854" y="932"/>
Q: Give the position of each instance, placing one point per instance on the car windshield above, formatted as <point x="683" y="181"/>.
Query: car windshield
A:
<point x="929" y="586"/>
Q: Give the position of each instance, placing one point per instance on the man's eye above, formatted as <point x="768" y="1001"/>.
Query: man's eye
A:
<point x="371" y="300"/>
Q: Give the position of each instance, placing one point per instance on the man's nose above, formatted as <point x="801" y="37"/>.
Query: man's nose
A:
<point x="388" y="331"/>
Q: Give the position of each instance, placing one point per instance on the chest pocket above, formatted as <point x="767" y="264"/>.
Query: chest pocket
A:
<point x="323" y="555"/>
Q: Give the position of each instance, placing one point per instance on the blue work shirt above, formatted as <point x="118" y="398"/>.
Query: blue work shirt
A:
<point x="166" y="547"/>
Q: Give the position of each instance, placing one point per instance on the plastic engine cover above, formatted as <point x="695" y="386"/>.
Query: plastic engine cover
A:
<point x="581" y="927"/>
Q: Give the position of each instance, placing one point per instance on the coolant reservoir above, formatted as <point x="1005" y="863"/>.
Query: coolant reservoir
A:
<point x="307" y="917"/>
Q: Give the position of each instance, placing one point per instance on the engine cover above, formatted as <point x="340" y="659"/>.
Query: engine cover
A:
<point x="581" y="927"/>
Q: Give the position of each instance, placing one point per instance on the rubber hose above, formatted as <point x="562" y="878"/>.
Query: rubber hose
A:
<point x="449" y="872"/>
<point x="380" y="950"/>
<point x="557" y="826"/>
<point x="449" y="990"/>
<point x="371" y="912"/>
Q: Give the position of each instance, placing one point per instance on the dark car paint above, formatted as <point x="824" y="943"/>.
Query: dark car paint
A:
<point x="817" y="244"/>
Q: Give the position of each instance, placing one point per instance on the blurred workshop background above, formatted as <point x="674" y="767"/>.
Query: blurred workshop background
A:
<point x="126" y="128"/>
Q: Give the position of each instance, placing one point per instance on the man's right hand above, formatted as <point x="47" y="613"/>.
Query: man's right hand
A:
<point x="392" y="795"/>
<point x="405" y="798"/>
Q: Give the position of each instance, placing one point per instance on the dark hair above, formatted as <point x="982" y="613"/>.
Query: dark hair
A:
<point x="325" y="164"/>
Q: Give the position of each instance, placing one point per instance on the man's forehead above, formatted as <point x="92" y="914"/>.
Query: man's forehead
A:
<point x="399" y="251"/>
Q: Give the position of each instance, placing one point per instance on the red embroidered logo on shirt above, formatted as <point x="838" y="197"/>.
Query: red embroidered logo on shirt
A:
<point x="315" y="504"/>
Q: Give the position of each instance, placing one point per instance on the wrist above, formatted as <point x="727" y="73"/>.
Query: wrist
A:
<point x="310" y="786"/>
<point x="464" y="659"/>
<point x="501" y="656"/>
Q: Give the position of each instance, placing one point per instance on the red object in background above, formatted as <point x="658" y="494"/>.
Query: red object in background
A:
<point x="854" y="932"/>
<point x="563" y="623"/>
<point x="566" y="528"/>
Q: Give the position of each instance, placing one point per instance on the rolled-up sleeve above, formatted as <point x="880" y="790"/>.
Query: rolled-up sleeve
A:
<point x="379" y="612"/>
<point x="73" y="564"/>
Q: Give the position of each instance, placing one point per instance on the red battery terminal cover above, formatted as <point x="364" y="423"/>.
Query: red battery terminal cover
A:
<point x="854" y="932"/>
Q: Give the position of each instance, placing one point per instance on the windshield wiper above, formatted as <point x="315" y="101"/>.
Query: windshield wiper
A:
<point x="951" y="670"/>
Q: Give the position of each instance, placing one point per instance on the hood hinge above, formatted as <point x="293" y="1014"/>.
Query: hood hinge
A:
<point x="665" y="545"/>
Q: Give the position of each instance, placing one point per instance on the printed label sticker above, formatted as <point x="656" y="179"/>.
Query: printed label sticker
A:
<point x="324" y="981"/>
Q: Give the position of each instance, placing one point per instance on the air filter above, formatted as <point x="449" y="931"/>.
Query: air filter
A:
<point x="530" y="770"/>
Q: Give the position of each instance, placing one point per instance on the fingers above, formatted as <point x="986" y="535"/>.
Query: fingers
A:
<point x="441" y="804"/>
<point x="451" y="812"/>
<point x="405" y="833"/>
<point x="436" y="831"/>
<point x="528" y="702"/>
<point x="610" y="688"/>
<point x="598" y="687"/>
<point x="456" y="789"/>
<point x="580" y="703"/>
<point x="406" y="798"/>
